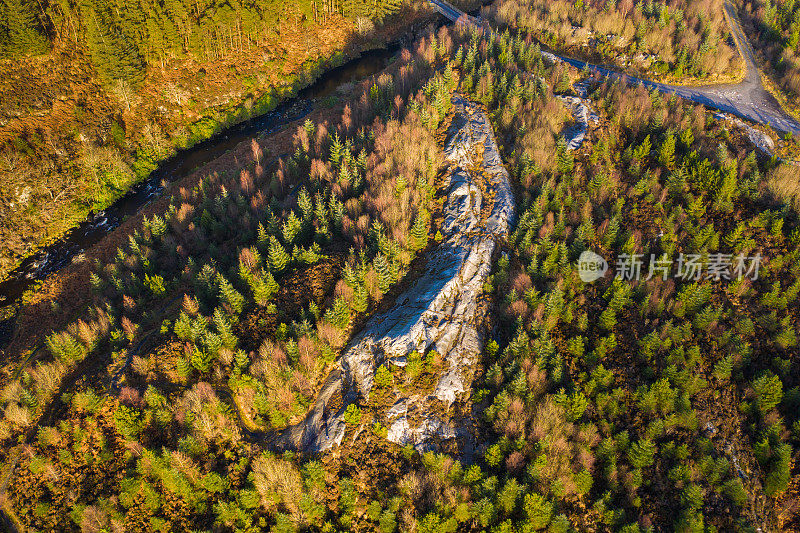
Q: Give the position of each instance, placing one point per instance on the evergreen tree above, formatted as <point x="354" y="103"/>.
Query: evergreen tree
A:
<point x="20" y="32"/>
<point x="384" y="271"/>
<point x="229" y="295"/>
<point x="128" y="422"/>
<point x="264" y="287"/>
<point x="305" y="204"/>
<point x="565" y="159"/>
<point x="768" y="391"/>
<point x="667" y="153"/>
<point x="641" y="453"/>
<point x="339" y="313"/>
<point x="538" y="510"/>
<point x="291" y="228"/>
<point x="278" y="258"/>
<point x="263" y="237"/>
<point x="113" y="52"/>
<point x="336" y="211"/>
<point x="201" y="360"/>
<point x="360" y="302"/>
<point x="419" y="231"/>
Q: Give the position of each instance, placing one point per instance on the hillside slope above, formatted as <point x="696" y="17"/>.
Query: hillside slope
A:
<point x="93" y="98"/>
<point x="661" y="394"/>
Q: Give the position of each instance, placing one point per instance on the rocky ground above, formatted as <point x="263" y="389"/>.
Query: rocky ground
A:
<point x="439" y="315"/>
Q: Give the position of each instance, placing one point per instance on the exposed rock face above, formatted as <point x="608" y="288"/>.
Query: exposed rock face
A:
<point x="583" y="115"/>
<point x="760" y="140"/>
<point x="439" y="311"/>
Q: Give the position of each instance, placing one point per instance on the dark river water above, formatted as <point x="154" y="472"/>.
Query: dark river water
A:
<point x="59" y="254"/>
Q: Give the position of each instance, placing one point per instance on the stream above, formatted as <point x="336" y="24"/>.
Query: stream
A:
<point x="56" y="256"/>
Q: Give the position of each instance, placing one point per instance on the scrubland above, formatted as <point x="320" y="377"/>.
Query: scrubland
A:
<point x="95" y="97"/>
<point x="676" y="39"/>
<point x="775" y="31"/>
<point x="617" y="405"/>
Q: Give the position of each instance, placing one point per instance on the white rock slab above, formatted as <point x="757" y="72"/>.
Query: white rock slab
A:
<point x="583" y="115"/>
<point x="440" y="310"/>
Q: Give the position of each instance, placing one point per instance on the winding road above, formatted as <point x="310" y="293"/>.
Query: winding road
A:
<point x="748" y="99"/>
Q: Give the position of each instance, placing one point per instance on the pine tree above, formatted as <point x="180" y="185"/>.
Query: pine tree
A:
<point x="352" y="415"/>
<point x="263" y="237"/>
<point x="309" y="255"/>
<point x="264" y="288"/>
<point x="564" y="84"/>
<point x="339" y="313"/>
<point x="336" y="210"/>
<point x="320" y="210"/>
<point x="20" y="33"/>
<point x="336" y="150"/>
<point x="201" y="360"/>
<point x="278" y="258"/>
<point x="291" y="228"/>
<point x="224" y="328"/>
<point x="687" y="138"/>
<point x="271" y="284"/>
<point x="565" y="162"/>
<point x="641" y="453"/>
<point x="113" y="51"/>
<point x="155" y="284"/>
<point x="65" y="347"/>
<point x="538" y="510"/>
<point x="768" y="391"/>
<point x="128" y="421"/>
<point x="384" y="271"/>
<point x="229" y="295"/>
<point x="508" y="495"/>
<point x="723" y="368"/>
<point x="383" y="377"/>
<point x="345" y="176"/>
<point x="419" y="231"/>
<point x="667" y="153"/>
<point x="305" y="204"/>
<point x="360" y="302"/>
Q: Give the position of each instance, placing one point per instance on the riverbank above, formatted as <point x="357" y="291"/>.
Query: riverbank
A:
<point x="76" y="146"/>
<point x="60" y="297"/>
<point x="72" y="145"/>
<point x="181" y="160"/>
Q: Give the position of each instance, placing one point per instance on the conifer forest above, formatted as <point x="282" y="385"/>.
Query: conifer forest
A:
<point x="456" y="284"/>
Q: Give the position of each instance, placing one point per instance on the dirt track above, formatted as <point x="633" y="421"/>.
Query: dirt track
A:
<point x="747" y="99"/>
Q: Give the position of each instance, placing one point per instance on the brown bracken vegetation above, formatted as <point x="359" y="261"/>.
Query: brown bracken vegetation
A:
<point x="677" y="39"/>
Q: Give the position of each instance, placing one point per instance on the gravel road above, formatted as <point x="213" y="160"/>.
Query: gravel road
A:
<point x="748" y="99"/>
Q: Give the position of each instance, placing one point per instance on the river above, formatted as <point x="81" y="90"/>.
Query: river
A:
<point x="54" y="257"/>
